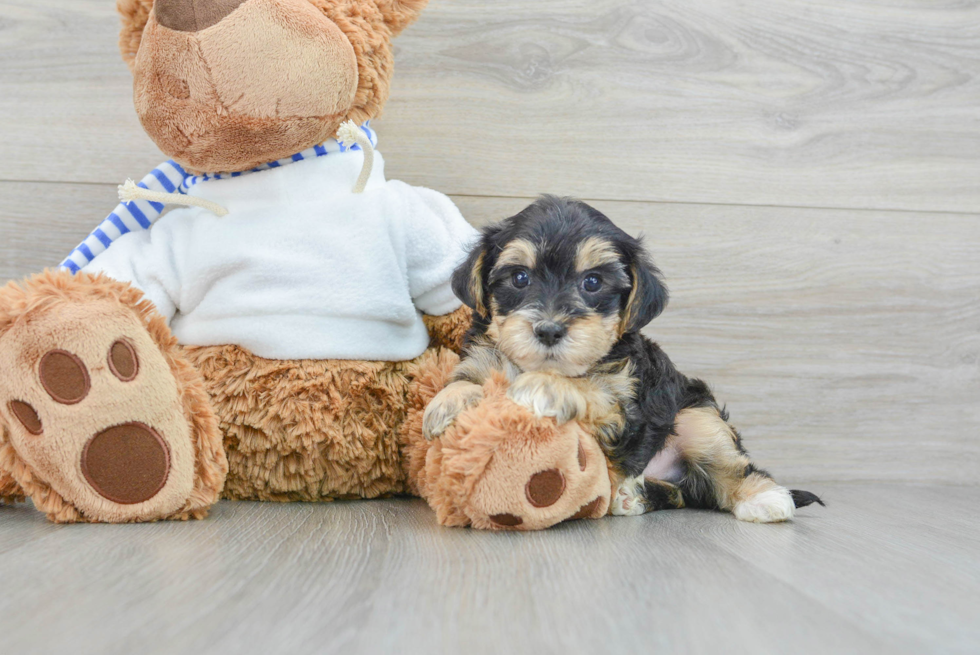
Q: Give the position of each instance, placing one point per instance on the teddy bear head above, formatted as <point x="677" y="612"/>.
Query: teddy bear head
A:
<point x="498" y="467"/>
<point x="227" y="85"/>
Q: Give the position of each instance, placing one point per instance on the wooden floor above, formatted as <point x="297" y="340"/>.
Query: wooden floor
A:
<point x="884" y="568"/>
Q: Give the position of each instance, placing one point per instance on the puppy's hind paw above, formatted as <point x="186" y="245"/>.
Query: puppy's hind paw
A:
<point x="628" y="499"/>
<point x="769" y="506"/>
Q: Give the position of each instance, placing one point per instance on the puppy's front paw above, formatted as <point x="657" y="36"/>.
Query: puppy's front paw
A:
<point x="769" y="506"/>
<point x="548" y="396"/>
<point x="447" y="405"/>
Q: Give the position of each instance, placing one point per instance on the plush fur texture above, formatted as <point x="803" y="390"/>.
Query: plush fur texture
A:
<point x="10" y="491"/>
<point x="450" y="330"/>
<point x="486" y="471"/>
<point x="216" y="101"/>
<point x="85" y="314"/>
<point x="314" y="429"/>
<point x="133" y="14"/>
<point x="292" y="430"/>
<point x="306" y="429"/>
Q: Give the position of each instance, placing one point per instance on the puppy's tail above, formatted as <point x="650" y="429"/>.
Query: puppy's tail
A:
<point x="803" y="498"/>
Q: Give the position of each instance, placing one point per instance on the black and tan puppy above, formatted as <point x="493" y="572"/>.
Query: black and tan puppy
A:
<point x="559" y="294"/>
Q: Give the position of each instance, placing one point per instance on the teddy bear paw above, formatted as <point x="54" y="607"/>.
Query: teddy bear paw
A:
<point x="95" y="415"/>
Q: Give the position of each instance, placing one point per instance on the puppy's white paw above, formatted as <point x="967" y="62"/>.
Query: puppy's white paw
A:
<point x="435" y="420"/>
<point x="628" y="499"/>
<point x="547" y="396"/>
<point x="447" y="405"/>
<point x="770" y="506"/>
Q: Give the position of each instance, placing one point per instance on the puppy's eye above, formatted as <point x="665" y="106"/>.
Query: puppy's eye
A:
<point x="592" y="283"/>
<point x="521" y="279"/>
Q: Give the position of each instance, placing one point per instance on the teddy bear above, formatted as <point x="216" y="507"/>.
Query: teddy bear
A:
<point x="275" y="334"/>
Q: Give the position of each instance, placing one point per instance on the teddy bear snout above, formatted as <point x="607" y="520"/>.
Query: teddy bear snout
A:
<point x="226" y="85"/>
<point x="193" y="15"/>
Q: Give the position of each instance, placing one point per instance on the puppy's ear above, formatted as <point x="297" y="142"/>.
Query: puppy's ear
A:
<point x="648" y="294"/>
<point x="470" y="277"/>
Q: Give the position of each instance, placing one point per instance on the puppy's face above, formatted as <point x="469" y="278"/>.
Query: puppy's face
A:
<point x="557" y="285"/>
<point x="556" y="309"/>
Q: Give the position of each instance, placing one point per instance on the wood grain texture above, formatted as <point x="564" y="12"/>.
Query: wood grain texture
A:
<point x="843" y="103"/>
<point x="845" y="343"/>
<point x="840" y="103"/>
<point x="66" y="106"/>
<point x="41" y="223"/>
<point x="883" y="568"/>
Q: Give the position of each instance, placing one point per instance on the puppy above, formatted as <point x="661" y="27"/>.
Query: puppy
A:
<point x="559" y="294"/>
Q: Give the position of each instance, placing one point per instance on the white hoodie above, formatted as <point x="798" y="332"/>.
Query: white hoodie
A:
<point x="301" y="267"/>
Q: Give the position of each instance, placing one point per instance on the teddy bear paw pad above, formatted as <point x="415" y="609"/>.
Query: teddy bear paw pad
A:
<point x="95" y="412"/>
<point x="126" y="463"/>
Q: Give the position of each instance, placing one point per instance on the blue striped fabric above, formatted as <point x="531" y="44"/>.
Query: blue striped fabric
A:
<point x="169" y="177"/>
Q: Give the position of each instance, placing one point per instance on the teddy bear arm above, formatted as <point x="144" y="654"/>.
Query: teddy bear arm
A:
<point x="145" y="261"/>
<point x="449" y="330"/>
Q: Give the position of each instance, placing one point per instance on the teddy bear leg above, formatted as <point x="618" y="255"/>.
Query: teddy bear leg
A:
<point x="101" y="420"/>
<point x="499" y="467"/>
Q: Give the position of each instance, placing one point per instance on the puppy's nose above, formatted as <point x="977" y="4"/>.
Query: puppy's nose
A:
<point x="550" y="333"/>
<point x="193" y="15"/>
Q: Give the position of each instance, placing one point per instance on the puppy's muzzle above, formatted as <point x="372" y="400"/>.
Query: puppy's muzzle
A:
<point x="550" y="333"/>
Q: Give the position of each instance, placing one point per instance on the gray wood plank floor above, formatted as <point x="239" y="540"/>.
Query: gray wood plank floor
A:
<point x="884" y="568"/>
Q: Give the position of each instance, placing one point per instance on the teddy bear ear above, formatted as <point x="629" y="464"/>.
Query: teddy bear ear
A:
<point x="399" y="14"/>
<point x="134" y="14"/>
